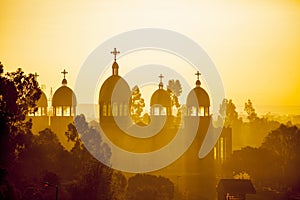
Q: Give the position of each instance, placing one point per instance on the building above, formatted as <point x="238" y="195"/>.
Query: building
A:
<point x="234" y="189"/>
<point x="63" y="112"/>
<point x="195" y="177"/>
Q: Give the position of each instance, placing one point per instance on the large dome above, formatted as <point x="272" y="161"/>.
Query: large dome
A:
<point x="64" y="96"/>
<point x="198" y="97"/>
<point x="42" y="102"/>
<point x="117" y="85"/>
<point x="161" y="97"/>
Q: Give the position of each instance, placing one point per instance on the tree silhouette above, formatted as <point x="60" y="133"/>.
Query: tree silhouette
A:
<point x="118" y="186"/>
<point x="284" y="142"/>
<point x="249" y="109"/>
<point x="18" y="94"/>
<point x="7" y="191"/>
<point x="272" y="165"/>
<point x="137" y="104"/>
<point x="174" y="88"/>
<point x="144" y="186"/>
<point x="228" y="113"/>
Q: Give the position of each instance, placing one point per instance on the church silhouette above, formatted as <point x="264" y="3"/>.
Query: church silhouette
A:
<point x="196" y="178"/>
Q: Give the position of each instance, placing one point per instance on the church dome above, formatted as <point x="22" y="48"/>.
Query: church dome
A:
<point x="42" y="102"/>
<point x="161" y="97"/>
<point x="198" y="97"/>
<point x="64" y="96"/>
<point x="117" y="84"/>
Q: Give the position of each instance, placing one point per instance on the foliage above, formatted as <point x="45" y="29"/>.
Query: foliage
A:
<point x="94" y="177"/>
<point x="7" y="192"/>
<point x="144" y="186"/>
<point x="249" y="109"/>
<point x="228" y="113"/>
<point x="137" y="104"/>
<point x="18" y="94"/>
<point x="274" y="164"/>
<point x="30" y="160"/>
<point x="284" y="142"/>
<point x="118" y="186"/>
<point x="174" y="88"/>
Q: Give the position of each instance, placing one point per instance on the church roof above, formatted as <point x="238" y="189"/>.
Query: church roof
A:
<point x="117" y="84"/>
<point x="42" y="102"/>
<point x="198" y="97"/>
<point x="161" y="97"/>
<point x="64" y="96"/>
<point x="236" y="186"/>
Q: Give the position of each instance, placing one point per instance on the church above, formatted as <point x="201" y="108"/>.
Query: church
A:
<point x="58" y="115"/>
<point x="196" y="178"/>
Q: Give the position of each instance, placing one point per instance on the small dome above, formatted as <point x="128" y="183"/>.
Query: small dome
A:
<point x="64" y="96"/>
<point x="161" y="97"/>
<point x="42" y="102"/>
<point x="115" y="65"/>
<point x="64" y="81"/>
<point x="198" y="97"/>
<point x="114" y="84"/>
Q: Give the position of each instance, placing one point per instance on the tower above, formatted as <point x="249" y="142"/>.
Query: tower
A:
<point x="200" y="176"/>
<point x="64" y="100"/>
<point x="40" y="116"/>
<point x="64" y="110"/>
<point x="114" y="98"/>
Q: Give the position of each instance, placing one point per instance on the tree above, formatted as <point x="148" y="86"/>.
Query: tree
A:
<point x="249" y="109"/>
<point x="254" y="162"/>
<point x="144" y="186"/>
<point x="7" y="191"/>
<point x="94" y="182"/>
<point x="284" y="142"/>
<point x="18" y="96"/>
<point x="174" y="88"/>
<point x="118" y="186"/>
<point x="228" y="112"/>
<point x="137" y="104"/>
<point x="94" y="178"/>
<point x="44" y="150"/>
<point x="275" y="164"/>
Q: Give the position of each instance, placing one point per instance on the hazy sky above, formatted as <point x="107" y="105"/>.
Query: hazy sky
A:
<point x="254" y="44"/>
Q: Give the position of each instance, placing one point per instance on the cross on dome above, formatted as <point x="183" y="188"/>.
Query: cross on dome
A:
<point x="198" y="83"/>
<point x="160" y="85"/>
<point x="115" y="52"/>
<point x="198" y="74"/>
<point x="64" y="72"/>
<point x="64" y="81"/>
<point x="161" y="77"/>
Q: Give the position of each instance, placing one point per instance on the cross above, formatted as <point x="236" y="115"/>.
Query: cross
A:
<point x="161" y="77"/>
<point x="35" y="75"/>
<point x="198" y="74"/>
<point x="115" y="52"/>
<point x="64" y="72"/>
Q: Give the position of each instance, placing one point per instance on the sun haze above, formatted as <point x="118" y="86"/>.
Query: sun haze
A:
<point x="255" y="45"/>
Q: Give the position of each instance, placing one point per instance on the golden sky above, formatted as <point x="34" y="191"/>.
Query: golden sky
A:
<point x="254" y="44"/>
